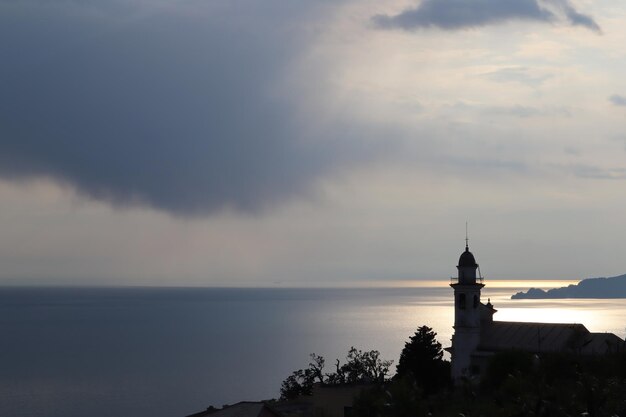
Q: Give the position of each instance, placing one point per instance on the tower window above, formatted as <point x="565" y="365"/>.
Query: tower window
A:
<point x="475" y="301"/>
<point x="462" y="301"/>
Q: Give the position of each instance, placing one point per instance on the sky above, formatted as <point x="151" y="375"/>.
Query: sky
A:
<point x="308" y="143"/>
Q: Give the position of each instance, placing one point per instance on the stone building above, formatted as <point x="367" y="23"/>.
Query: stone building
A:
<point x="477" y="336"/>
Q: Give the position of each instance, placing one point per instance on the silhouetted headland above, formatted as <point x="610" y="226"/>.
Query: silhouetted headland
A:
<point x="613" y="287"/>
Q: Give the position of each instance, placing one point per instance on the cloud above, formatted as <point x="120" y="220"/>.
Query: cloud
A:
<point x="521" y="75"/>
<point x="516" y="111"/>
<point x="618" y="100"/>
<point x="502" y="111"/>
<point x="178" y="110"/>
<point x="462" y="14"/>
<point x="576" y="18"/>
<point x="597" y="172"/>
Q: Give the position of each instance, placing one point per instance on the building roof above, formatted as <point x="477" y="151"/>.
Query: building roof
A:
<point x="546" y="337"/>
<point x="241" y="409"/>
<point x="532" y="337"/>
<point x="599" y="343"/>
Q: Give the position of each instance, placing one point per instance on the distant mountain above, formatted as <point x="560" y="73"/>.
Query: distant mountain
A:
<point x="613" y="287"/>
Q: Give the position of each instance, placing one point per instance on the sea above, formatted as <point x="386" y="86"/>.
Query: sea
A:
<point x="170" y="352"/>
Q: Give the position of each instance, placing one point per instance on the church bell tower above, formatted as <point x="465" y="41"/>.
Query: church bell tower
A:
<point x="466" y="338"/>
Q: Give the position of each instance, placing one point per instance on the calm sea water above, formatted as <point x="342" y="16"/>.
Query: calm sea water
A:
<point x="107" y="352"/>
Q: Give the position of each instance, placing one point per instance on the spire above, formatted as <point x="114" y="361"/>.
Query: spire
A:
<point x="466" y="239"/>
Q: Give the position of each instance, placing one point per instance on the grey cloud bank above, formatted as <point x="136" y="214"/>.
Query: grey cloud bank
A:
<point x="185" y="109"/>
<point x="460" y="14"/>
<point x="177" y="110"/>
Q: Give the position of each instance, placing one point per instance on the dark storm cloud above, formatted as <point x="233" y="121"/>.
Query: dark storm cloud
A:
<point x="461" y="14"/>
<point x="177" y="110"/>
<point x="618" y="100"/>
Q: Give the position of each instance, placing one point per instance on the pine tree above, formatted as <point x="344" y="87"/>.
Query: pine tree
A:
<point x="422" y="360"/>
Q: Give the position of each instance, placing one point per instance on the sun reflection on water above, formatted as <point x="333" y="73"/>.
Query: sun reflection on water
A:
<point x="437" y="311"/>
<point x="597" y="315"/>
<point x="386" y="318"/>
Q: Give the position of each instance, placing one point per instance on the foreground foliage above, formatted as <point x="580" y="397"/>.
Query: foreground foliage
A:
<point x="515" y="384"/>
<point x="360" y="367"/>
<point x="421" y="366"/>
<point x="421" y="374"/>
<point x="421" y="362"/>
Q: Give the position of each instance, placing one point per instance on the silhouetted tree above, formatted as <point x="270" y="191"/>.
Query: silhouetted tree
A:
<point x="359" y="367"/>
<point x="317" y="367"/>
<point x="301" y="382"/>
<point x="422" y="360"/>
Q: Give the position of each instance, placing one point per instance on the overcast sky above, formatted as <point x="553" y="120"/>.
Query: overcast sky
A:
<point x="282" y="142"/>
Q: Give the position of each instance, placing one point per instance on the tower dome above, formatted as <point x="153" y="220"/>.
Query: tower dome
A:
<point x="467" y="259"/>
<point x="467" y="268"/>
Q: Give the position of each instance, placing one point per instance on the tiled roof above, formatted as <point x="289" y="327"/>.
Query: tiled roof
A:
<point x="598" y="343"/>
<point x="532" y="337"/>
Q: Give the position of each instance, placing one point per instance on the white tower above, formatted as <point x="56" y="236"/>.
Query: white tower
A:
<point x="466" y="336"/>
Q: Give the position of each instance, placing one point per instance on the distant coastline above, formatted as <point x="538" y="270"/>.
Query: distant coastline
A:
<point x="612" y="287"/>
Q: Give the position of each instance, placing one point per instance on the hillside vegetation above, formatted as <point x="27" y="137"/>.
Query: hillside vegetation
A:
<point x="613" y="287"/>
